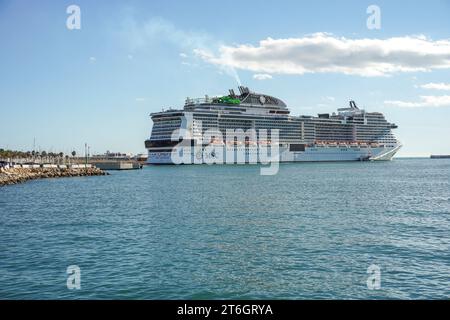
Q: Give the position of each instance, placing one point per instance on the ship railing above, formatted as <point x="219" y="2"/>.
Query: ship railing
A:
<point x="195" y="101"/>
<point x="347" y="144"/>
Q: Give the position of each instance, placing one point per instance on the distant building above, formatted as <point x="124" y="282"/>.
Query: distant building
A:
<point x="113" y="156"/>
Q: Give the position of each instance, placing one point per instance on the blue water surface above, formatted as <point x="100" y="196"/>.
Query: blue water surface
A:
<point x="226" y="232"/>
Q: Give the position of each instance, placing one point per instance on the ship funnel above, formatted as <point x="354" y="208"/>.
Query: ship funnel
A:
<point x="353" y="105"/>
<point x="232" y="93"/>
<point x="243" y="90"/>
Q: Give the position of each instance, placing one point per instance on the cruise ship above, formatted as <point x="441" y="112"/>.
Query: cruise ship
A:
<point x="350" y="134"/>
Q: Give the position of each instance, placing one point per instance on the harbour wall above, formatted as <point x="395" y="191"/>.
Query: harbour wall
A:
<point x="118" y="165"/>
<point x="16" y="174"/>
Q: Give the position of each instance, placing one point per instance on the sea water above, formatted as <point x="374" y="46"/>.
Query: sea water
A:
<point x="313" y="231"/>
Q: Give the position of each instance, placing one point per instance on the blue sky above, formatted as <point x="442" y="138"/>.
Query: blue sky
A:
<point x="100" y="83"/>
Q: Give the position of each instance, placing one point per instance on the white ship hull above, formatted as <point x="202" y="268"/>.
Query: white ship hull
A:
<point x="311" y="154"/>
<point x="243" y="128"/>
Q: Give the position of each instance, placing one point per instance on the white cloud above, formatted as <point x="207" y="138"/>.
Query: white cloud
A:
<point x="436" y="86"/>
<point x="262" y="76"/>
<point x="92" y="59"/>
<point x="130" y="57"/>
<point x="425" y="101"/>
<point x="183" y="55"/>
<point x="331" y="99"/>
<point x="207" y="55"/>
<point x="140" y="99"/>
<point x="325" y="53"/>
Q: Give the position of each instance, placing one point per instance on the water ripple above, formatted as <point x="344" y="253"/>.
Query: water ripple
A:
<point x="225" y="232"/>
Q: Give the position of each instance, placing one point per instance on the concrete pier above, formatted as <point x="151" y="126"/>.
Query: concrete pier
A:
<point x="118" y="165"/>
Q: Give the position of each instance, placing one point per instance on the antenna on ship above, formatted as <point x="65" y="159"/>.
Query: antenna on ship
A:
<point x="353" y="105"/>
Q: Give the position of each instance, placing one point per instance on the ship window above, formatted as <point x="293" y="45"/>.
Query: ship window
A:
<point x="296" y="147"/>
<point x="168" y="143"/>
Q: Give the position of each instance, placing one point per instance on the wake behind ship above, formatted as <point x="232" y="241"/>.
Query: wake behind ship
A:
<point x="351" y="134"/>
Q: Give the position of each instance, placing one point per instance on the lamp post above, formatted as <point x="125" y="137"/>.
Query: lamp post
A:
<point x="85" y="155"/>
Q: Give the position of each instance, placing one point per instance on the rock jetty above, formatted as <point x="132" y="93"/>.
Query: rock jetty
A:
<point x="10" y="176"/>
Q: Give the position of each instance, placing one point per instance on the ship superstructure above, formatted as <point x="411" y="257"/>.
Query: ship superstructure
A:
<point x="351" y="134"/>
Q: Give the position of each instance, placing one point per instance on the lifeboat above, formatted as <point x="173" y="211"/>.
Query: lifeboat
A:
<point x="217" y="141"/>
<point x="332" y="144"/>
<point x="318" y="144"/>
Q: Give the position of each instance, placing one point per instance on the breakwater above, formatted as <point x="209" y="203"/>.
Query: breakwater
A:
<point x="10" y="176"/>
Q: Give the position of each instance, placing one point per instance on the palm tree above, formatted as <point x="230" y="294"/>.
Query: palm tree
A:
<point x="8" y="155"/>
<point x="43" y="155"/>
<point x="73" y="156"/>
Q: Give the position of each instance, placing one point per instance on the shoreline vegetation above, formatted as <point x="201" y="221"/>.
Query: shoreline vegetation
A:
<point x="15" y="175"/>
<point x="21" y="166"/>
<point x="13" y="156"/>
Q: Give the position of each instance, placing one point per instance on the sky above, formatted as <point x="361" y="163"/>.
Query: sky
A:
<point x="62" y="87"/>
